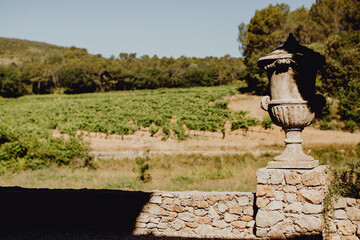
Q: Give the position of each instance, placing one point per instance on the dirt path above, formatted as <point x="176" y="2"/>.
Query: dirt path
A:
<point x="256" y="140"/>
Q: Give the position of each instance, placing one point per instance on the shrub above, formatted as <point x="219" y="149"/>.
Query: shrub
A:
<point x="20" y="149"/>
<point x="350" y="126"/>
<point x="153" y="130"/>
<point x="142" y="167"/>
<point x="244" y="123"/>
<point x="180" y="132"/>
<point x="222" y="104"/>
<point x="266" y="123"/>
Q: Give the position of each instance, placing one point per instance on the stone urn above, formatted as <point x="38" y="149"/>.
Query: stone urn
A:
<point x="292" y="103"/>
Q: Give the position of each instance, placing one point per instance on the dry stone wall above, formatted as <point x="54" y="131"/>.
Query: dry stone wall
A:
<point x="343" y="221"/>
<point x="290" y="202"/>
<point x="198" y="214"/>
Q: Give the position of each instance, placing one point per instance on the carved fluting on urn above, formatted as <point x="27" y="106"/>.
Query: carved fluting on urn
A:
<point x="291" y="114"/>
<point x="292" y="102"/>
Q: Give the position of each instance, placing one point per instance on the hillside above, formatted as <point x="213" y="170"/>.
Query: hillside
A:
<point x="21" y="51"/>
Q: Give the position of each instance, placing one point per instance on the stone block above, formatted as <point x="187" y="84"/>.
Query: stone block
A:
<point x="275" y="205"/>
<point x="353" y="237"/>
<point x="262" y="175"/>
<point x="276" y="177"/>
<point x="313" y="196"/>
<point x="222" y="207"/>
<point x="251" y="224"/>
<point x="140" y="225"/>
<point x="202" y="204"/>
<point x="279" y="195"/>
<point x="227" y="197"/>
<point x="262" y="202"/>
<point x="295" y="207"/>
<point x="223" y="232"/>
<point x="345" y="227"/>
<point x="353" y="213"/>
<point x="192" y="224"/>
<point x="352" y="202"/>
<point x="313" y="178"/>
<point x="334" y="237"/>
<point x="155" y="219"/>
<point x="264" y="190"/>
<point x="246" y="218"/>
<point x="213" y="214"/>
<point x="290" y="197"/>
<point x="290" y="189"/>
<point x="141" y="231"/>
<point x="213" y="198"/>
<point x="155" y="199"/>
<point x="274" y="234"/>
<point x="292" y="178"/>
<point x="234" y="207"/>
<point x="190" y="209"/>
<point x="340" y="214"/>
<point x="243" y="201"/>
<point x="187" y="203"/>
<point x="239" y="224"/>
<point x="167" y="219"/>
<point x="204" y="230"/>
<point x="332" y="227"/>
<point x="268" y="218"/>
<point x="220" y="224"/>
<point x="173" y="214"/>
<point x="309" y="208"/>
<point x="249" y="210"/>
<point x="175" y="208"/>
<point x="228" y="217"/>
<point x="340" y="203"/>
<point x="151" y="225"/>
<point x="200" y="212"/>
<point x="154" y="209"/>
<point x="185" y="216"/>
<point x="310" y="223"/>
<point x="203" y="220"/>
<point x="168" y="200"/>
<point x="177" y="224"/>
<point x="261" y="232"/>
<point x="143" y="217"/>
<point x="197" y="197"/>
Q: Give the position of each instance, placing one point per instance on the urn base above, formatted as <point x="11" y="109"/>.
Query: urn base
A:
<point x="293" y="156"/>
<point x="293" y="164"/>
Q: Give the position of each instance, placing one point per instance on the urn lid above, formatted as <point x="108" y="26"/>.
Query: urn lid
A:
<point x="292" y="52"/>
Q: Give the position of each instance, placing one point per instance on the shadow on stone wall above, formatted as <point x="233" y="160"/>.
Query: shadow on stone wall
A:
<point x="73" y="214"/>
<point x="68" y="214"/>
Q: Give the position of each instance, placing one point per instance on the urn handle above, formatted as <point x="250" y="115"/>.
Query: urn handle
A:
<point x="265" y="102"/>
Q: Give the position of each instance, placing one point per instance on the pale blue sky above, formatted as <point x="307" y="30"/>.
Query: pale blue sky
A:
<point x="163" y="27"/>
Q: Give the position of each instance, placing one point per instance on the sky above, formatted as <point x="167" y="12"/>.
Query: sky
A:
<point x="170" y="28"/>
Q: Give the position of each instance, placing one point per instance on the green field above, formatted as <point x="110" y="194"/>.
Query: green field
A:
<point x="123" y="112"/>
<point x="30" y="156"/>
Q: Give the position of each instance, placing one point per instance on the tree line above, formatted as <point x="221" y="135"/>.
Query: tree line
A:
<point x="73" y="70"/>
<point x="331" y="27"/>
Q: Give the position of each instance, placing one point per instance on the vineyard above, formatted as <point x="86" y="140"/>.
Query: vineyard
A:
<point x="28" y="123"/>
<point x="170" y="110"/>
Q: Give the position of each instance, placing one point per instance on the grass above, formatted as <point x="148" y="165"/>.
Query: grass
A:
<point x="168" y="172"/>
<point x="227" y="172"/>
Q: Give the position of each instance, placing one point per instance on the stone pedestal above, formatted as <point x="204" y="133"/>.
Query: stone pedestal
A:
<point x="289" y="202"/>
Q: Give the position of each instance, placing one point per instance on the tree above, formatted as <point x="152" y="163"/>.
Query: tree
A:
<point x="74" y="80"/>
<point x="10" y="83"/>
<point x="263" y="34"/>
